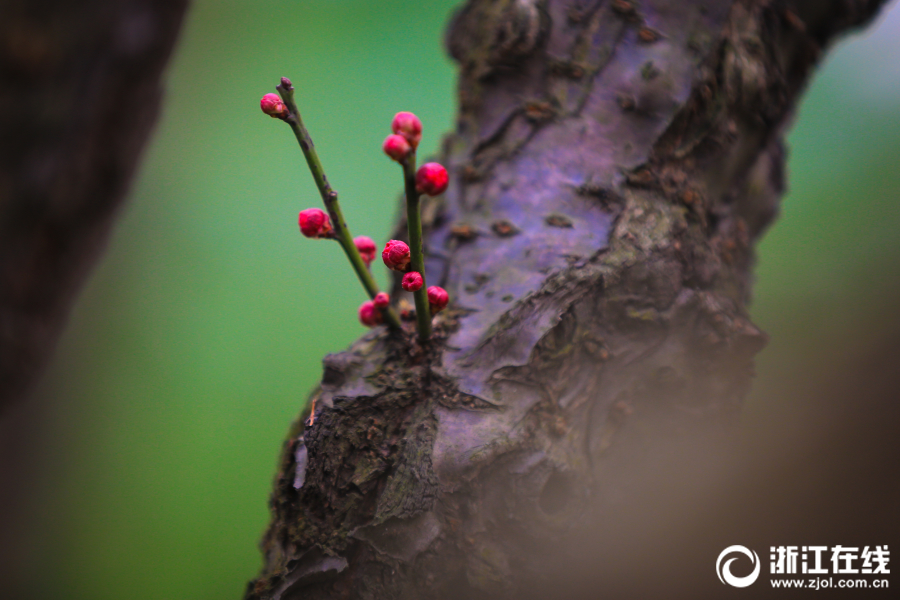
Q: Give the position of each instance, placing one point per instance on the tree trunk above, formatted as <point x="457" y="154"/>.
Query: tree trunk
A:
<point x="81" y="89"/>
<point x="613" y="166"/>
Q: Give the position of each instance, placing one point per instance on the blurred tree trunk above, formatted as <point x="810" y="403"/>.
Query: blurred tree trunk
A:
<point x="613" y="166"/>
<point x="80" y="90"/>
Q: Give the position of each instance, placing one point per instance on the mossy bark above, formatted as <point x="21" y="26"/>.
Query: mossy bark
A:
<point x="613" y="166"/>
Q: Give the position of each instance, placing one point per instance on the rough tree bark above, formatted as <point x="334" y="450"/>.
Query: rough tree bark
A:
<point x="613" y="165"/>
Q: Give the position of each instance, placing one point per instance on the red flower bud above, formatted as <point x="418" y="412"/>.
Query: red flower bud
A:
<point x="272" y="105"/>
<point x="396" y="147"/>
<point x="409" y="126"/>
<point x="314" y="223"/>
<point x="437" y="299"/>
<point x="432" y="179"/>
<point x="382" y="300"/>
<point x="396" y="255"/>
<point x="369" y="315"/>
<point x="412" y="282"/>
<point x="367" y="248"/>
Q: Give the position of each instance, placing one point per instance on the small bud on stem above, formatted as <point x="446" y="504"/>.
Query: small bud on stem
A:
<point x="369" y="315"/>
<point x="412" y="282"/>
<point x="396" y="147"/>
<point x="314" y="223"/>
<point x="396" y="256"/>
<point x="272" y="105"/>
<point x="367" y="248"/>
<point x="382" y="300"/>
<point x="432" y="179"/>
<point x="409" y="126"/>
<point x="437" y="299"/>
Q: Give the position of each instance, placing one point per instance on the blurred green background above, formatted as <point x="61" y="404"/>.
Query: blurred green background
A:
<point x="198" y="337"/>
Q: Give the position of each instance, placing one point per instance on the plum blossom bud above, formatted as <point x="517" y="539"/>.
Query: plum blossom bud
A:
<point x="314" y="223"/>
<point x="369" y="315"/>
<point x="381" y="300"/>
<point x="396" y="146"/>
<point x="366" y="247"/>
<point x="272" y="105"/>
<point x="409" y="126"/>
<point x="396" y="255"/>
<point x="412" y="282"/>
<point x="437" y="299"/>
<point x="432" y="179"/>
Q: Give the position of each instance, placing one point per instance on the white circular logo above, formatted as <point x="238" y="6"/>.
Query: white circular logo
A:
<point x="724" y="571"/>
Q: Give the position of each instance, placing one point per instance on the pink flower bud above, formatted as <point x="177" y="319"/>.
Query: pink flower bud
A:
<point x="432" y="179"/>
<point x="396" y="255"/>
<point x="409" y="126"/>
<point x="314" y="223"/>
<point x="369" y="315"/>
<point x="272" y="105"/>
<point x="437" y="299"/>
<point x="382" y="300"/>
<point x="367" y="248"/>
<point x="396" y="147"/>
<point x="412" y="282"/>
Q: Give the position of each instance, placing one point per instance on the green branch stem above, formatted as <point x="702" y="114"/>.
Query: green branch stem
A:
<point x="330" y="199"/>
<point x="416" y="250"/>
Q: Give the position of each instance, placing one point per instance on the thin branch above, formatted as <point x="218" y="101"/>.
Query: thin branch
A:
<point x="416" y="250"/>
<point x="330" y="199"/>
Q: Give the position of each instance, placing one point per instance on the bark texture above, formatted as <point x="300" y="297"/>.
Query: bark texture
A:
<point x="613" y="165"/>
<point x="80" y="90"/>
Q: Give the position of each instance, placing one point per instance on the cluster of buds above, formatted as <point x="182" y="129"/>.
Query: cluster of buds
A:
<point x="431" y="179"/>
<point x="396" y="256"/>
<point x="407" y="130"/>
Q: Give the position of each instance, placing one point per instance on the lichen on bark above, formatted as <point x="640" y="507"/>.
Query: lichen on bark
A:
<point x="613" y="165"/>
